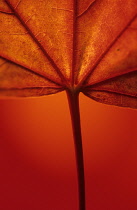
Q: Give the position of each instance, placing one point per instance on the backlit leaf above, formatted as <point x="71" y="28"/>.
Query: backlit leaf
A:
<point x="49" y="46"/>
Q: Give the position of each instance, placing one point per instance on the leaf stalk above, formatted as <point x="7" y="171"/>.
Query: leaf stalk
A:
<point x="73" y="99"/>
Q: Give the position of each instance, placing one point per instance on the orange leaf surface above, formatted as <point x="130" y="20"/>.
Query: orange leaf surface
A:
<point x="89" y="46"/>
<point x="50" y="46"/>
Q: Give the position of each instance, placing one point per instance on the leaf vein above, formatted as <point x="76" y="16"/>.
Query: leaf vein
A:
<point x="53" y="64"/>
<point x="106" y="51"/>
<point x="31" y="70"/>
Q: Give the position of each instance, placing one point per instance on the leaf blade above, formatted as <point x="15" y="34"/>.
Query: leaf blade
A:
<point x="98" y="30"/>
<point x="16" y="80"/>
<point x="42" y="25"/>
<point x="119" y="91"/>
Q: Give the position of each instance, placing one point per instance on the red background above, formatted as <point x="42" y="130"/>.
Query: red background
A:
<point x="37" y="161"/>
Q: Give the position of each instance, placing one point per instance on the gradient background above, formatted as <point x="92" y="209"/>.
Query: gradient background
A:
<point x="37" y="161"/>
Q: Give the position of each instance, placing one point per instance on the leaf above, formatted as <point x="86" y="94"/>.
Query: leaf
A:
<point x="87" y="46"/>
<point x="50" y="46"/>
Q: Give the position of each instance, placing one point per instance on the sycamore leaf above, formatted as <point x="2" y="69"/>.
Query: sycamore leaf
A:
<point x="85" y="45"/>
<point x="88" y="46"/>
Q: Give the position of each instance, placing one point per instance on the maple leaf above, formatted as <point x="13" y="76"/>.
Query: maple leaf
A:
<point x="87" y="46"/>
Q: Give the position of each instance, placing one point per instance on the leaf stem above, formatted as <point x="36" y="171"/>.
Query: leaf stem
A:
<point x="73" y="99"/>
